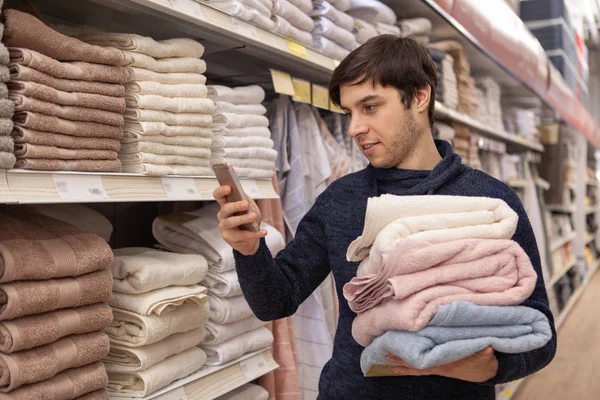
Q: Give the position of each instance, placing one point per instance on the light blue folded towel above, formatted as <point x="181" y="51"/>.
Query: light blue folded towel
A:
<point x="458" y="330"/>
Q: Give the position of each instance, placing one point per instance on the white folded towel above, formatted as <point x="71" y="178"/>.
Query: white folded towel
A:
<point x="252" y="94"/>
<point x="171" y="104"/>
<point x="261" y="131"/>
<point x="387" y="29"/>
<point x="257" y="163"/>
<point x="132" y="359"/>
<point x="326" y="28"/>
<point x="165" y="149"/>
<point x="177" y="47"/>
<point x="241" y="153"/>
<point x="219" y="354"/>
<point x="248" y="391"/>
<point x="189" y="90"/>
<point x="342" y="5"/>
<point x="149" y="128"/>
<point x="219" y="333"/>
<point x="304" y="5"/>
<point x="228" y="309"/>
<point x="285" y="28"/>
<point x="167" y="65"/>
<point x="165" y="170"/>
<point x="140" y="270"/>
<point x="224" y="284"/>
<point x="254" y="173"/>
<point x="241" y="141"/>
<point x="186" y="119"/>
<point x="173" y="78"/>
<point x="225" y="107"/>
<point x="240" y="10"/>
<point x="329" y="47"/>
<point x="229" y="120"/>
<point x="415" y="26"/>
<point x="322" y="8"/>
<point x="167" y="160"/>
<point x="187" y="141"/>
<point x="383" y="13"/>
<point x="293" y="15"/>
<point x="134" y="330"/>
<point x="159" y="301"/>
<point x="364" y="30"/>
<point x="263" y="6"/>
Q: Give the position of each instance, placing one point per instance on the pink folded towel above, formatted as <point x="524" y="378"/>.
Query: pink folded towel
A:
<point x="22" y="135"/>
<point x="46" y="123"/>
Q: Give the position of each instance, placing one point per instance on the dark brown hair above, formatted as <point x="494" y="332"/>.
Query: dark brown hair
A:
<point x="388" y="60"/>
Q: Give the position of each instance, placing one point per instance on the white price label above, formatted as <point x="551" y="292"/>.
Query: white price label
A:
<point x="254" y="366"/>
<point x="79" y="187"/>
<point x="251" y="189"/>
<point x="176" y="394"/>
<point x="188" y="7"/>
<point x="180" y="188"/>
<point x="244" y="28"/>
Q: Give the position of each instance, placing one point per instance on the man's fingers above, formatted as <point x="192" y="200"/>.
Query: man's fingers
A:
<point x="406" y="371"/>
<point x="228" y="209"/>
<point x="485" y="353"/>
<point x="397" y="360"/>
<point x="220" y="194"/>
<point x="238" y="220"/>
<point x="243" y="236"/>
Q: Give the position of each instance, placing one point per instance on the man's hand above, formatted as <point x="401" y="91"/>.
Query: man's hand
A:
<point x="479" y="367"/>
<point x="244" y="241"/>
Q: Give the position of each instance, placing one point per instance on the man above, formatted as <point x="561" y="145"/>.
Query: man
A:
<point x="387" y="88"/>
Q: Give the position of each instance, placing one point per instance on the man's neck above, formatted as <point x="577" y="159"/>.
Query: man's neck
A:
<point x="424" y="157"/>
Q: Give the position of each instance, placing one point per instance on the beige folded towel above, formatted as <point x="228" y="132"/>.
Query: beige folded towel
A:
<point x="229" y="120"/>
<point x="158" y="159"/>
<point x="147" y="128"/>
<point x="97" y="395"/>
<point x="42" y="164"/>
<point x="41" y="363"/>
<point x="164" y="170"/>
<point x="164" y="149"/>
<point x="253" y="109"/>
<point x="127" y="359"/>
<point x="190" y="90"/>
<point x="219" y="333"/>
<point x="51" y="152"/>
<point x="140" y="384"/>
<point x="178" y="47"/>
<point x="7" y="160"/>
<point x="186" y="141"/>
<point x="173" y="78"/>
<point x="22" y="135"/>
<point x="133" y="330"/>
<point x="244" y="153"/>
<point x="3" y="90"/>
<point x="223" y="284"/>
<point x="7" y="125"/>
<point x="240" y="95"/>
<point x="255" y="163"/>
<point x="166" y="65"/>
<point x="241" y="141"/>
<point x="7" y="145"/>
<point x="7" y="108"/>
<point x="140" y="270"/>
<point x="248" y="391"/>
<point x="219" y="354"/>
<point x="261" y="131"/>
<point x="4" y="74"/>
<point x="45" y="123"/>
<point x="228" y="310"/>
<point x="159" y="301"/>
<point x="171" y="104"/>
<point x="254" y="173"/>
<point x="186" y="119"/>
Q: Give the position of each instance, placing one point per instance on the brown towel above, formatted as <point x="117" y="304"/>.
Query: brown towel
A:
<point x="67" y="385"/>
<point x="68" y="70"/>
<point x="42" y="164"/>
<point x="39" y="247"/>
<point x="22" y="135"/>
<point x="7" y="160"/>
<point x="97" y="395"/>
<point x="41" y="122"/>
<point x="22" y="103"/>
<point x="23" y="73"/>
<point x="51" y="152"/>
<point x="41" y="363"/>
<point x="88" y="100"/>
<point x="22" y="298"/>
<point x="37" y="330"/>
<point x="25" y="30"/>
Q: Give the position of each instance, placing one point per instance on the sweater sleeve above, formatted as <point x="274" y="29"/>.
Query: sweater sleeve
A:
<point x="275" y="287"/>
<point x="516" y="366"/>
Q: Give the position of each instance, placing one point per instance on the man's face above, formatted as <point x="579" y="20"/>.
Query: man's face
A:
<point x="385" y="131"/>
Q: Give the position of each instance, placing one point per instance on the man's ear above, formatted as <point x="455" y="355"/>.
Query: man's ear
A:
<point x="422" y="98"/>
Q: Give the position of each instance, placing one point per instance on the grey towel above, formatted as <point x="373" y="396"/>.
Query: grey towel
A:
<point x="7" y="160"/>
<point x="3" y="91"/>
<point x="4" y="56"/>
<point x="6" y="126"/>
<point x="4" y="74"/>
<point x="7" y="108"/>
<point x="7" y="144"/>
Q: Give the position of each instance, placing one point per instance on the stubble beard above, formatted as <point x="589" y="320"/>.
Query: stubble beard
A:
<point x="404" y="143"/>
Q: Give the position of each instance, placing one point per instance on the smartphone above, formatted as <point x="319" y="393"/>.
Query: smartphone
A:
<point x="226" y="176"/>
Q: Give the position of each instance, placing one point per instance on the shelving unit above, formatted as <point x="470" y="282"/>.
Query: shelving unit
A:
<point x="556" y="277"/>
<point x="562" y="241"/>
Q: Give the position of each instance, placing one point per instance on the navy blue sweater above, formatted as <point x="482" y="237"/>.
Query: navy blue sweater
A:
<point x="276" y="287"/>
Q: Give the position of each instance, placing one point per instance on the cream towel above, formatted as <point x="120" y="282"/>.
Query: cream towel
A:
<point x="140" y="270"/>
<point x="387" y="29"/>
<point x="292" y="14"/>
<point x="240" y="141"/>
<point x="172" y="78"/>
<point x="219" y="354"/>
<point x="178" y="47"/>
<point x="224" y="284"/>
<point x="285" y="28"/>
<point x="148" y="128"/>
<point x="225" y="107"/>
<point x="219" y="333"/>
<point x="256" y="163"/>
<point x="248" y="391"/>
<point x="304" y="5"/>
<point x="164" y="149"/>
<point x="254" y="173"/>
<point x="324" y="9"/>
<point x="127" y="359"/>
<point x="164" y="170"/>
<point x="167" y="65"/>
<point x="159" y="301"/>
<point x="228" y="310"/>
<point x="197" y="120"/>
<point x="188" y="141"/>
<point x="190" y="90"/>
<point x="229" y="120"/>
<point x="240" y="95"/>
<point x="239" y="9"/>
<point x="157" y="159"/>
<point x="329" y="47"/>
<point x="171" y="104"/>
<point x="7" y="144"/>
<point x="261" y="131"/>
<point x="140" y="384"/>
<point x="364" y="31"/>
<point x="331" y="31"/>
<point x="134" y="330"/>
<point x="262" y="6"/>
<point x="241" y="153"/>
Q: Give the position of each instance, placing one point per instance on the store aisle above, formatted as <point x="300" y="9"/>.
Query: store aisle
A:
<point x="573" y="374"/>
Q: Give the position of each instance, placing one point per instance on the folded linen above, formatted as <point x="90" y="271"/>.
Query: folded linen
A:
<point x="252" y="94"/>
<point x="159" y="301"/>
<point x="18" y="299"/>
<point x="177" y="47"/>
<point x="149" y="128"/>
<point x="342" y="5"/>
<point x="134" y="330"/>
<point x="187" y="141"/>
<point x="185" y="119"/>
<point x="285" y="28"/>
<point x="293" y="15"/>
<point x="229" y="120"/>
<point x="124" y="359"/>
<point x="304" y="5"/>
<point x="458" y="331"/>
<point x="158" y="159"/>
<point x="166" y="65"/>
<point x="248" y="391"/>
<point x="225" y="107"/>
<point x="22" y="135"/>
<point x="326" y="28"/>
<point x="4" y="55"/>
<point x="190" y="90"/>
<point x="241" y="141"/>
<point x="383" y="13"/>
<point x="48" y="123"/>
<point x="7" y="160"/>
<point x="248" y="342"/>
<point x="68" y="70"/>
<point x="329" y="47"/>
<point x="96" y="395"/>
<point x="383" y="29"/>
<point x="254" y="173"/>
<point x="41" y="363"/>
<point x="143" y="383"/>
<point x="7" y="108"/>
<point x="164" y="149"/>
<point x="164" y="170"/>
<point x="25" y="31"/>
<point x="168" y="78"/>
<point x="30" y="151"/>
<point x="139" y="270"/>
<point x="171" y="104"/>
<point x="219" y="333"/>
<point x="261" y="153"/>
<point x="6" y="126"/>
<point x="42" y="164"/>
<point x="4" y="74"/>
<point x="415" y="26"/>
<point x="323" y="8"/>
<point x="254" y="163"/>
<point x="261" y="131"/>
<point x="3" y="90"/>
<point x="37" y="330"/>
<point x="70" y="384"/>
<point x="239" y="9"/>
<point x="265" y="7"/>
<point x="7" y="145"/>
<point x="228" y="310"/>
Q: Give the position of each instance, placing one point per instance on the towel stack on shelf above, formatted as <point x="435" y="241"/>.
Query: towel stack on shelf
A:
<point x="246" y="392"/>
<point x="444" y="131"/>
<point x="333" y="34"/>
<point x="258" y="12"/>
<point x="7" y="146"/>
<point x="375" y="13"/>
<point x="490" y="108"/>
<point x="68" y="98"/>
<point x="522" y="122"/>
<point x="292" y="22"/>
<point x="54" y="282"/>
<point x="447" y="90"/>
<point x="241" y="132"/>
<point x="417" y="28"/>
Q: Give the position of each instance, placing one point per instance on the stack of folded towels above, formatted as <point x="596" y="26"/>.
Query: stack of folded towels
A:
<point x="440" y="280"/>
<point x="333" y="33"/>
<point x="258" y="12"/>
<point x="417" y="28"/>
<point x="168" y="113"/>
<point x="160" y="313"/>
<point x="444" y="131"/>
<point x="377" y="14"/>
<point x="363" y="31"/>
<point x="490" y="103"/>
<point x="232" y="328"/>
<point x="292" y="22"/>
<point x="240" y="129"/>
<point x="7" y="146"/>
<point x="68" y="96"/>
<point x="447" y="89"/>
<point x="54" y="282"/>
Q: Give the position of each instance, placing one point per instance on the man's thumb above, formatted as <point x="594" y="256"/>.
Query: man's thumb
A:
<point x="488" y="351"/>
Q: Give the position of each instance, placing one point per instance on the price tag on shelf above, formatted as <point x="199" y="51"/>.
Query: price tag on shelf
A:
<point x="244" y="28"/>
<point x="302" y="93"/>
<point x="296" y="48"/>
<point x="188" y="7"/>
<point x="334" y="108"/>
<point x="254" y="366"/>
<point x="79" y="187"/>
<point x="251" y="189"/>
<point x="320" y="97"/>
<point x="180" y="188"/>
<point x="282" y="83"/>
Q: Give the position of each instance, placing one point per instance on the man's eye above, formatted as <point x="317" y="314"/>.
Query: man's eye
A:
<point x="370" y="107"/>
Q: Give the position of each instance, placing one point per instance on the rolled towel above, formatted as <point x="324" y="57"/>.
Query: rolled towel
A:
<point x="148" y="128"/>
<point x="261" y="131"/>
<point x="323" y="8"/>
<point x="239" y="95"/>
<point x="134" y="330"/>
<point x="293" y="15"/>
<point x="326" y="28"/>
<point x="164" y="149"/>
<point x="143" y="383"/>
<point x="124" y="359"/>
<point x="47" y="123"/>
<point x="164" y="170"/>
<point x="229" y="120"/>
<point x="159" y="301"/>
<point x="177" y="47"/>
<point x="285" y="28"/>
<point x="248" y="391"/>
<point x="225" y="284"/>
<point x="22" y="298"/>
<point x="167" y="78"/>
<point x="140" y="270"/>
<point x="68" y="385"/>
<point x="228" y="310"/>
<point x="189" y="90"/>
<point x="329" y="47"/>
<point x="37" y="330"/>
<point x="186" y="141"/>
<point x="248" y="342"/>
<point x="241" y="141"/>
<point x="185" y="119"/>
<point x="171" y="104"/>
<point x="35" y="151"/>
<point x="7" y="145"/>
<point x="219" y="333"/>
<point x="22" y="135"/>
<point x="166" y="65"/>
<point x="167" y="160"/>
<point x="68" y="70"/>
<point x="41" y="363"/>
<point x="249" y="152"/>
<point x="42" y="164"/>
<point x="224" y="107"/>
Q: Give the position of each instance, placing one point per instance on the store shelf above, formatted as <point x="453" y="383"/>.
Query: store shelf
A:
<point x="517" y="183"/>
<point x="27" y="187"/>
<point x="560" y="208"/>
<point x="562" y="241"/>
<point x="592" y="183"/>
<point x="542" y="183"/>
<point x="211" y="382"/>
<point x="556" y="277"/>
<point x="589" y="238"/>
